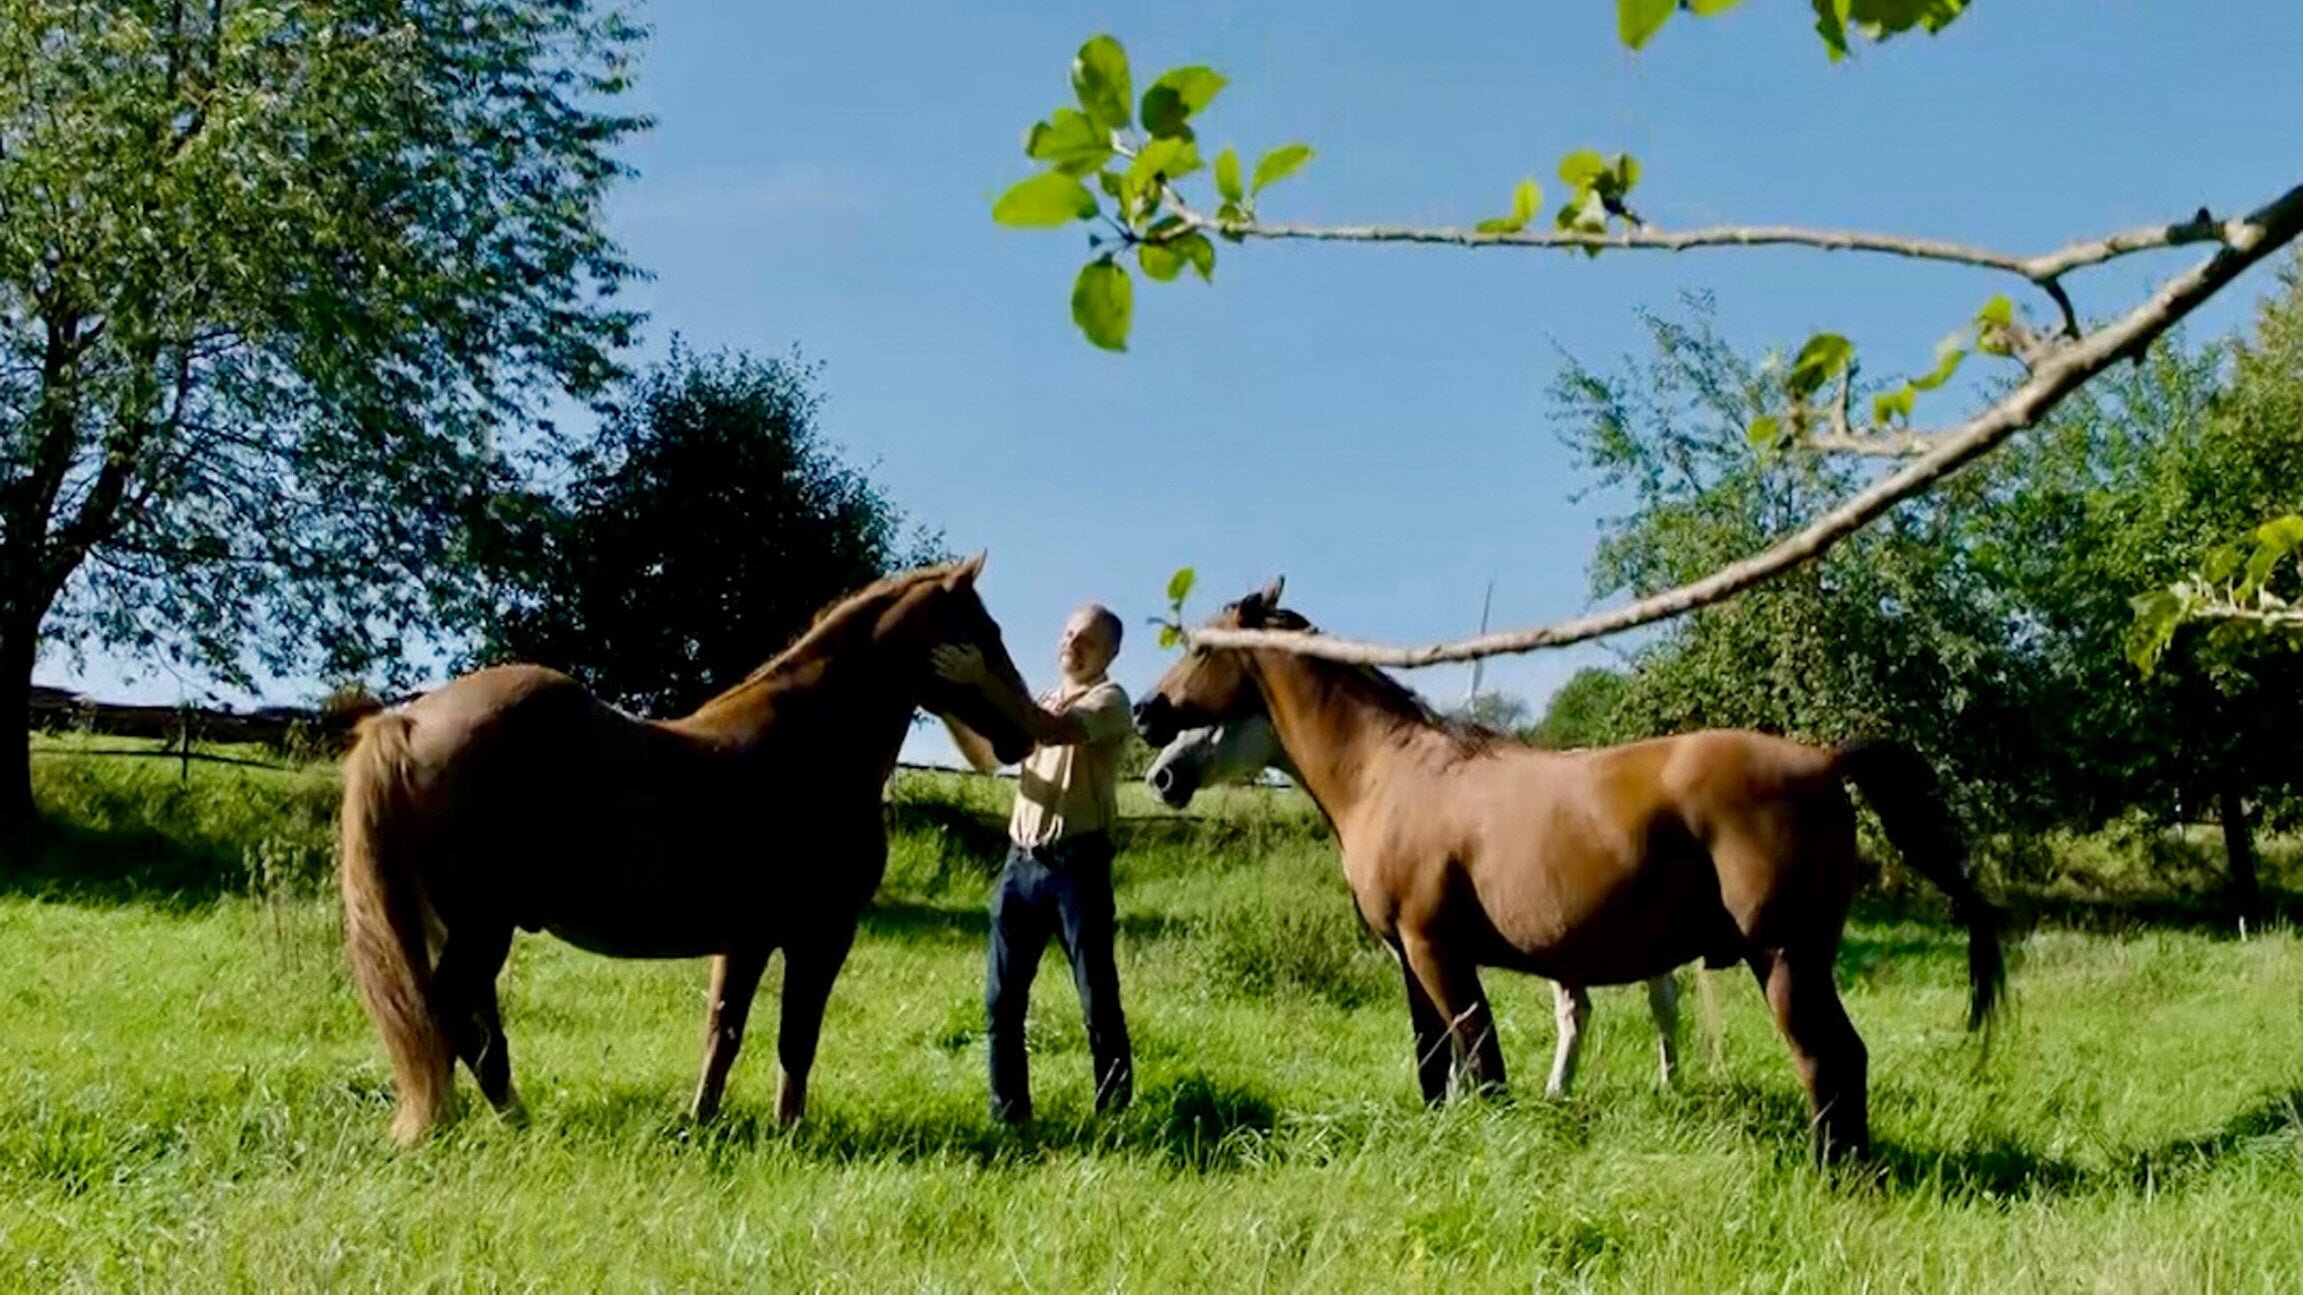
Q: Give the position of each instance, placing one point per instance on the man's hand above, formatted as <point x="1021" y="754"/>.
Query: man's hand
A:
<point x="961" y="664"/>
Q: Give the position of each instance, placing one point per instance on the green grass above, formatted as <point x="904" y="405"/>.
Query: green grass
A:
<point x="196" y="1102"/>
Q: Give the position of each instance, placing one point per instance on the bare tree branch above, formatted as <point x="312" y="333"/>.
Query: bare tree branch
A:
<point x="2045" y="270"/>
<point x="2057" y="373"/>
<point x="2271" y="617"/>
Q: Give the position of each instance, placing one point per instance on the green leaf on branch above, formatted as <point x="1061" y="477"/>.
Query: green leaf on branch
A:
<point x="1227" y="182"/>
<point x="1179" y="586"/>
<point x="1200" y="253"/>
<point x="2222" y="563"/>
<point x="1100" y="80"/>
<point x="1279" y="164"/>
<point x="1580" y="170"/>
<point x="1160" y="261"/>
<point x="1706" y="8"/>
<point x="1103" y="303"/>
<point x="1888" y="405"/>
<point x="1948" y="353"/>
<point x="1831" y="25"/>
<point x="1637" y="20"/>
<point x="1074" y="144"/>
<point x="1169" y="636"/>
<point x="1045" y="201"/>
<point x="1172" y="158"/>
<point x="1169" y="104"/>
<point x="2274" y="540"/>
<point x="1825" y="357"/>
<point x="1764" y="432"/>
<point x="2157" y="614"/>
<point x="1525" y="199"/>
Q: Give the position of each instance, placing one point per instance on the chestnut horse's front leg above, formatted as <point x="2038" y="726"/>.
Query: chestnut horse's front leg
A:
<point x="809" y="970"/>
<point x="735" y="979"/>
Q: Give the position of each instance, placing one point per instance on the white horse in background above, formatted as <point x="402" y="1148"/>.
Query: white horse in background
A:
<point x="1242" y="750"/>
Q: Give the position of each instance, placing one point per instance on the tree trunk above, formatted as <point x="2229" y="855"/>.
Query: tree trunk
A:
<point x="2239" y="847"/>
<point x="18" y="650"/>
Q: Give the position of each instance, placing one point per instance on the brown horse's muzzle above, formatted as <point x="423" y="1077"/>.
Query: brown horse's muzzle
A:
<point x="1157" y="719"/>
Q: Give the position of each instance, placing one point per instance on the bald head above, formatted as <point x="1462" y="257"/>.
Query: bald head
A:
<point x="1091" y="639"/>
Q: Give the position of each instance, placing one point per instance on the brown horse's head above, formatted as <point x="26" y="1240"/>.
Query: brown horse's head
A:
<point x="948" y="610"/>
<point x="1211" y="685"/>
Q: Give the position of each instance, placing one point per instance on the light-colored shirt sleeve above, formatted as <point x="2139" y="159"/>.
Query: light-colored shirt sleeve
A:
<point x="1103" y="712"/>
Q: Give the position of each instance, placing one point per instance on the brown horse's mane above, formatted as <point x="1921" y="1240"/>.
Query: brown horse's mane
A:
<point x="1402" y="704"/>
<point x="834" y="621"/>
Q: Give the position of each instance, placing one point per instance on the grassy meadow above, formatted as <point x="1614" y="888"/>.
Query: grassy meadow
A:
<point x="195" y="1101"/>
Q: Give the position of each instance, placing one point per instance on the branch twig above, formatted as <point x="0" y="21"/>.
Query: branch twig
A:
<point x="2058" y="372"/>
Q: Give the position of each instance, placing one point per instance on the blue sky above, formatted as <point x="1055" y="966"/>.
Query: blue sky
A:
<point x="1370" y="421"/>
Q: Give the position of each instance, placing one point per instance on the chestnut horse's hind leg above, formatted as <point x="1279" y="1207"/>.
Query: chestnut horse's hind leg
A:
<point x="1572" y="1007"/>
<point x="1434" y="1052"/>
<point x="735" y="980"/>
<point x="1455" y="990"/>
<point x="464" y="995"/>
<point x="1825" y="1048"/>
<point x="809" y="970"/>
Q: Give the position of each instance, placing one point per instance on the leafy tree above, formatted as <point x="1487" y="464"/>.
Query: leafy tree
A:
<point x="1887" y="634"/>
<point x="698" y="535"/>
<point x="1587" y="710"/>
<point x="2123" y="491"/>
<point x="272" y="274"/>
<point x="1500" y="711"/>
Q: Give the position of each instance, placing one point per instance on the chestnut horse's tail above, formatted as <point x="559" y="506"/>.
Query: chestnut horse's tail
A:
<point x="1901" y="789"/>
<point x="384" y="923"/>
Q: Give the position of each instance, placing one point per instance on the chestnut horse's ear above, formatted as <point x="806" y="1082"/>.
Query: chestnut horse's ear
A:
<point x="964" y="575"/>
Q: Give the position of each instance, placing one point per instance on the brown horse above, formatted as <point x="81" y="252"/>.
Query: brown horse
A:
<point x="1606" y="866"/>
<point x="512" y="798"/>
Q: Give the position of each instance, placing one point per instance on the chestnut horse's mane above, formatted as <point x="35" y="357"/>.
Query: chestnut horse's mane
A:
<point x="1401" y="702"/>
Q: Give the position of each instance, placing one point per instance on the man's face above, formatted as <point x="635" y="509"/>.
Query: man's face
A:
<point x="1085" y="651"/>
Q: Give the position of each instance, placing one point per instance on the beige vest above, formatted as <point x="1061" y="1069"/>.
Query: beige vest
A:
<point x="1067" y="790"/>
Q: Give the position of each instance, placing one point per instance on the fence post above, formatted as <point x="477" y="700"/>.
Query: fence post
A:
<point x="184" y="744"/>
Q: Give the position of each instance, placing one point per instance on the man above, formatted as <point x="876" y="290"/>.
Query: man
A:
<point x="1058" y="877"/>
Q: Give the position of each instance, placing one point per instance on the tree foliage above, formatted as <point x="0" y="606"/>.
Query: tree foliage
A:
<point x="1887" y="634"/>
<point x="697" y="536"/>
<point x="273" y="274"/>
<point x="1985" y="622"/>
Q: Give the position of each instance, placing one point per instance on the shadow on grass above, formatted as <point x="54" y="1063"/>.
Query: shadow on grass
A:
<point x="2275" y="1121"/>
<point x="1194" y="1122"/>
<point x="61" y="862"/>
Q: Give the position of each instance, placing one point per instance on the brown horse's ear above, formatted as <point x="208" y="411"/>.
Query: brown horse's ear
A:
<point x="1263" y="602"/>
<point x="964" y="575"/>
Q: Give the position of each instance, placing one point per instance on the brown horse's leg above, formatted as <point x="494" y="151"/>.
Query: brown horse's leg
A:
<point x="1454" y="988"/>
<point x="735" y="979"/>
<point x="464" y="987"/>
<point x="1663" y="1004"/>
<point x="1434" y="1050"/>
<point x="1572" y="1007"/>
<point x="809" y="971"/>
<point x="1825" y="1048"/>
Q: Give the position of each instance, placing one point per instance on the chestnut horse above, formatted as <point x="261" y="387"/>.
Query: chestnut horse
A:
<point x="511" y="798"/>
<point x="1239" y="750"/>
<point x="1599" y="867"/>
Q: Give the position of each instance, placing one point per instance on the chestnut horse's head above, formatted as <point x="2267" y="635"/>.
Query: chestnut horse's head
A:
<point x="948" y="610"/>
<point x="1212" y="686"/>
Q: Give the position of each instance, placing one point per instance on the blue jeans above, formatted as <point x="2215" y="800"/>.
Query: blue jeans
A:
<point x="1064" y="890"/>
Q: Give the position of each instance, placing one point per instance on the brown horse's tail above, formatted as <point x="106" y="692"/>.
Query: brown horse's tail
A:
<point x="1901" y="789"/>
<point x="384" y="924"/>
